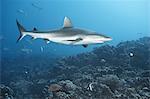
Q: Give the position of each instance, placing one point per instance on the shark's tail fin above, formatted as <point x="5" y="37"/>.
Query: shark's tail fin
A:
<point x="21" y="30"/>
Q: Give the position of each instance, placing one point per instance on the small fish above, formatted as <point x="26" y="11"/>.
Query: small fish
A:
<point x="131" y="54"/>
<point x="21" y="12"/>
<point x="36" y="6"/>
<point x="26" y="50"/>
<point x="103" y="60"/>
<point x="5" y="49"/>
<point x="90" y="87"/>
<point x="26" y="72"/>
<point x="42" y="49"/>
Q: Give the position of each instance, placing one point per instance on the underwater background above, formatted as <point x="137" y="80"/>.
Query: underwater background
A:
<point x="33" y="69"/>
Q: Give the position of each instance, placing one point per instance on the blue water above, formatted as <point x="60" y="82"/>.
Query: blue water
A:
<point x="29" y="68"/>
<point x="120" y="19"/>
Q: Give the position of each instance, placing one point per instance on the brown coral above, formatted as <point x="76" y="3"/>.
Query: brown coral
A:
<point x="54" y="87"/>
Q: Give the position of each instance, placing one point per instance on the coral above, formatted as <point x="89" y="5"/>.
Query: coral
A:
<point x="68" y="85"/>
<point x="145" y="92"/>
<point x="6" y="92"/>
<point x="101" y="91"/>
<point x="112" y="81"/>
<point x="55" y="87"/>
<point x="61" y="95"/>
<point x="107" y="72"/>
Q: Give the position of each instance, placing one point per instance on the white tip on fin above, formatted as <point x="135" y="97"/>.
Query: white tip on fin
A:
<point x="67" y="23"/>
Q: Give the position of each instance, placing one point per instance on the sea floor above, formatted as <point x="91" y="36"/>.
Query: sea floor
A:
<point x="107" y="72"/>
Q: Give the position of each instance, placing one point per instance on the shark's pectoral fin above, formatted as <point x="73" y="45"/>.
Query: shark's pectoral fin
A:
<point x="67" y="23"/>
<point x="85" y="45"/>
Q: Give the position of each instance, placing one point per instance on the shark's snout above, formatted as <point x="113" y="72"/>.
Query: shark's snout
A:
<point x="108" y="39"/>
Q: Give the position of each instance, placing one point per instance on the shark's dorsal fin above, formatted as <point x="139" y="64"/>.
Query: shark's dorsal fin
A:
<point x="67" y="23"/>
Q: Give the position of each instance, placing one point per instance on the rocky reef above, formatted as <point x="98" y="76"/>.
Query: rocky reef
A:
<point x="107" y="72"/>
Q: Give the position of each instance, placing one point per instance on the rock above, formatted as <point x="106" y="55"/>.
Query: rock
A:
<point x="22" y="88"/>
<point x="112" y="81"/>
<point x="68" y="85"/>
<point x="6" y="92"/>
<point x="54" y="88"/>
<point x="102" y="91"/>
<point x="132" y="94"/>
<point x="41" y="81"/>
<point x="107" y="72"/>
<point x="61" y="95"/>
<point x="48" y="94"/>
<point x="145" y="73"/>
<point x="145" y="92"/>
<point x="106" y="91"/>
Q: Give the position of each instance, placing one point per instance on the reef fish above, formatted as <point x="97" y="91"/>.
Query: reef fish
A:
<point x="22" y="12"/>
<point x="66" y="35"/>
<point x="36" y="6"/>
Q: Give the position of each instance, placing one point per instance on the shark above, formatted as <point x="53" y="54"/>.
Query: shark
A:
<point x="68" y="34"/>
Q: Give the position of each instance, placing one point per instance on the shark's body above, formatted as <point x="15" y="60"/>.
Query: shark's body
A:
<point x="66" y="35"/>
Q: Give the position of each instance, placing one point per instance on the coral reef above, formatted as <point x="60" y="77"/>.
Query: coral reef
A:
<point x="107" y="72"/>
<point x="6" y="92"/>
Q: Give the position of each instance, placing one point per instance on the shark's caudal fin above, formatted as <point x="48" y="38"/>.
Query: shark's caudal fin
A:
<point x="21" y="30"/>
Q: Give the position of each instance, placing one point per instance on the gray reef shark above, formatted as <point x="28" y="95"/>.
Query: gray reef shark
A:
<point x="65" y="35"/>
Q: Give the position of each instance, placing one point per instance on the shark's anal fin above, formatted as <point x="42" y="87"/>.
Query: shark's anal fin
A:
<point x="85" y="45"/>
